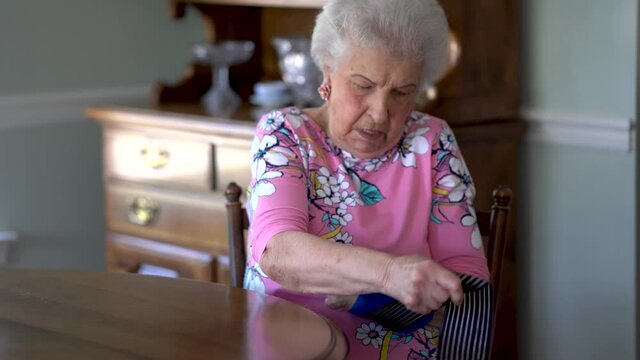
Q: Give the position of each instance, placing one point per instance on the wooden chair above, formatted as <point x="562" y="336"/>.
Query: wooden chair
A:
<point x="493" y="228"/>
<point x="492" y="224"/>
<point x="237" y="224"/>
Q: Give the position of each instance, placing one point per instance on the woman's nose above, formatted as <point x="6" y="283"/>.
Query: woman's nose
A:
<point x="379" y="109"/>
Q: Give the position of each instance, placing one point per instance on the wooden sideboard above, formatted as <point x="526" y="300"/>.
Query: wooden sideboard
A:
<point x="164" y="178"/>
<point x="166" y="163"/>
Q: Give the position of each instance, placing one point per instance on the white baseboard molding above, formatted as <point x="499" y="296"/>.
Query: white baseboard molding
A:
<point x="586" y="130"/>
<point x="63" y="106"/>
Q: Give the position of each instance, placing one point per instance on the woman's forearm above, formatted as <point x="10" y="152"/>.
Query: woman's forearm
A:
<point x="306" y="263"/>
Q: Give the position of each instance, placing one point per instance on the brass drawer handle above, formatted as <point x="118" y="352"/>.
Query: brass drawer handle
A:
<point x="142" y="211"/>
<point x="155" y="156"/>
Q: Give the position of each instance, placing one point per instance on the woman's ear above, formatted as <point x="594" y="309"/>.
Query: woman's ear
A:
<point x="326" y="75"/>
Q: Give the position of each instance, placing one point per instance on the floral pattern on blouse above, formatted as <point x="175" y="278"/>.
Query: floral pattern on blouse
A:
<point x="456" y="178"/>
<point x="423" y="343"/>
<point x="290" y="148"/>
<point x="330" y="191"/>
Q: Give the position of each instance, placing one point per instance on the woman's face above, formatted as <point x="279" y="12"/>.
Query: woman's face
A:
<point x="372" y="93"/>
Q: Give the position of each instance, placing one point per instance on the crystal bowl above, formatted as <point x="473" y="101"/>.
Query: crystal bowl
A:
<point x="227" y="52"/>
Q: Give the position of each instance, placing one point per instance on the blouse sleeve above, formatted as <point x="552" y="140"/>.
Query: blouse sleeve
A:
<point x="453" y="235"/>
<point x="277" y="191"/>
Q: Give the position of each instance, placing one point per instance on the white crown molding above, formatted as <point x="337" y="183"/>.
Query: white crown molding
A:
<point x="586" y="130"/>
<point x="63" y="106"/>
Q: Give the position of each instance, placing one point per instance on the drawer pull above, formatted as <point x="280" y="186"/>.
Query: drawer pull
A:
<point x="154" y="156"/>
<point x="142" y="211"/>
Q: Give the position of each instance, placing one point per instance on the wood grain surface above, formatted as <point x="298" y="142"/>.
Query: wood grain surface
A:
<point x="46" y="314"/>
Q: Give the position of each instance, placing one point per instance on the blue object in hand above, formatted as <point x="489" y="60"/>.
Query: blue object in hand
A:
<point x="389" y="313"/>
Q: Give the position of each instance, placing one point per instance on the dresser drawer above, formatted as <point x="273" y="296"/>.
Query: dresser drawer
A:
<point x="196" y="220"/>
<point x="158" y="158"/>
<point x="132" y="254"/>
<point x="233" y="163"/>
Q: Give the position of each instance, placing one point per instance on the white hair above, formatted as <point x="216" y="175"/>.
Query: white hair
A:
<point x="415" y="29"/>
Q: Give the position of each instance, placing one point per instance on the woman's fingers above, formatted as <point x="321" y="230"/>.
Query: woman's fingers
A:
<point x="424" y="285"/>
<point x="457" y="296"/>
<point x="452" y="284"/>
<point x="340" y="302"/>
<point x="436" y="287"/>
<point x="440" y="295"/>
<point x="425" y="307"/>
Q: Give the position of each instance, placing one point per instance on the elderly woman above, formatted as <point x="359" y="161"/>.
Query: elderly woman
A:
<point x="361" y="209"/>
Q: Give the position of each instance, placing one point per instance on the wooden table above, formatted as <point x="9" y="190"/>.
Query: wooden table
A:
<point x="79" y="315"/>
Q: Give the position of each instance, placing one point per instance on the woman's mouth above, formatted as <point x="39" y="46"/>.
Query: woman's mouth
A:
<point x="370" y="135"/>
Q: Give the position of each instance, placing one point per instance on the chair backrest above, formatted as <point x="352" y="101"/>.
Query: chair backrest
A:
<point x="492" y="224"/>
<point x="493" y="228"/>
<point x="237" y="223"/>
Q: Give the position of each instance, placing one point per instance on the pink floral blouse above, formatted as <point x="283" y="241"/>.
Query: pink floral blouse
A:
<point x="414" y="199"/>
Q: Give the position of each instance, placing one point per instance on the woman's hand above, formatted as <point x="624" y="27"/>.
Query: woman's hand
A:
<point x="421" y="284"/>
<point x="340" y="302"/>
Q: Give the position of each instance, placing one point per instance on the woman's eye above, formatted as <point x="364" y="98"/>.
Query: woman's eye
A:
<point x="364" y="86"/>
<point x="399" y="93"/>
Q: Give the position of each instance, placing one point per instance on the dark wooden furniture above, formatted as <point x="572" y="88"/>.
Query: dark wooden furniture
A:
<point x="237" y="224"/>
<point x="164" y="176"/>
<point x="493" y="227"/>
<point x="48" y="314"/>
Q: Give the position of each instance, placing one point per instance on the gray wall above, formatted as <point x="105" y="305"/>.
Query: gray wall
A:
<point x="84" y="44"/>
<point x="50" y="177"/>
<point x="576" y="218"/>
<point x="50" y="193"/>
